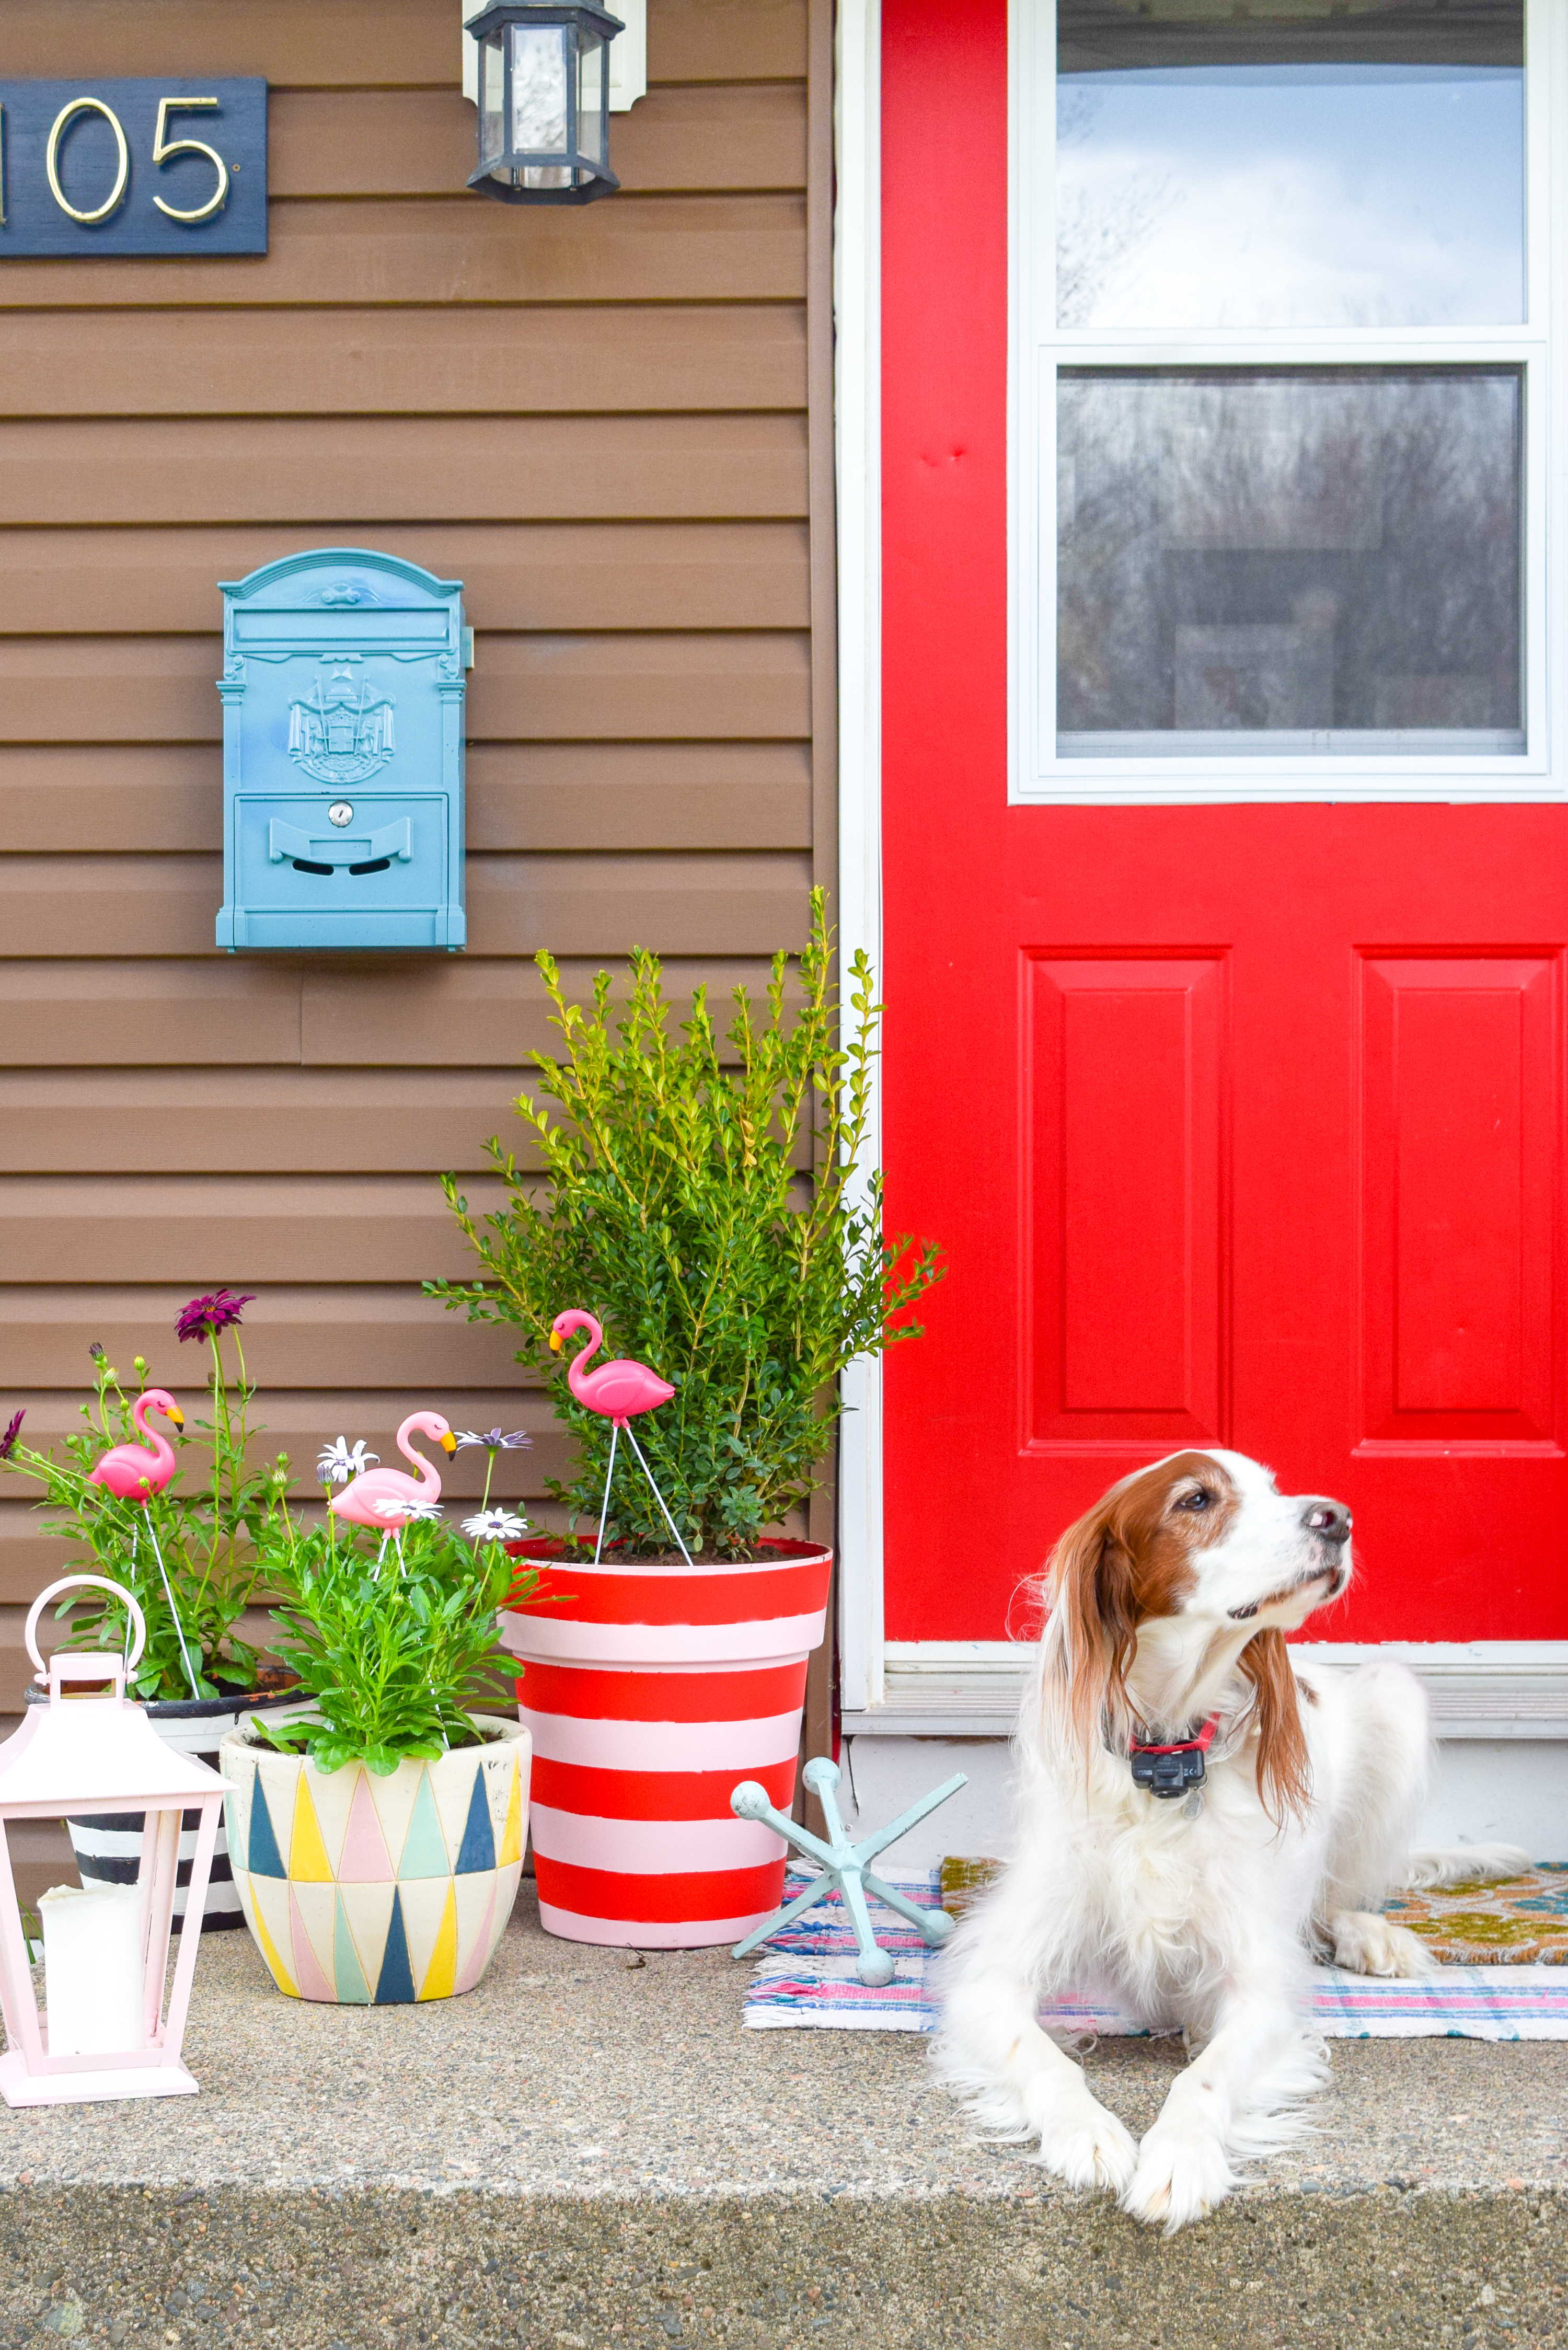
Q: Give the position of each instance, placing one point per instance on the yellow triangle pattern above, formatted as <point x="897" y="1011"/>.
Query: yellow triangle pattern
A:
<point x="307" y="1861"/>
<point x="441" y="1973"/>
<point x="511" y="1834"/>
<point x="280" y="1973"/>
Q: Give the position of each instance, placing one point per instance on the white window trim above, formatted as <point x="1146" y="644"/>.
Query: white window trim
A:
<point x="1036" y="347"/>
<point x="1502" y="1690"/>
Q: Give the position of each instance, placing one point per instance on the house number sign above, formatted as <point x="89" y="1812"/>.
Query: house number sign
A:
<point x="173" y="166"/>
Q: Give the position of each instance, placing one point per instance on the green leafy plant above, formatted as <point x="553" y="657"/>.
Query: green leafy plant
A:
<point x="206" y="1525"/>
<point x="393" y="1649"/>
<point x="710" y="1212"/>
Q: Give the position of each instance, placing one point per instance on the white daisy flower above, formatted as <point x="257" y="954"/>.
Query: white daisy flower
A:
<point x="340" y="1461"/>
<point x="402" y="1513"/>
<point x="496" y="1525"/>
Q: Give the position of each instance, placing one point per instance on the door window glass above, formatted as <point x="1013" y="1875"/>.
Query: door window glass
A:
<point x="1289" y="163"/>
<point x="1289" y="561"/>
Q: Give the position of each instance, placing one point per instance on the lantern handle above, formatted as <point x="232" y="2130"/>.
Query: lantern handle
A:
<point x="71" y="1583"/>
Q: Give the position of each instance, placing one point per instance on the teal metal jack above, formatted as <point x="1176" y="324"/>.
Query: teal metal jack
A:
<point x="845" y="1864"/>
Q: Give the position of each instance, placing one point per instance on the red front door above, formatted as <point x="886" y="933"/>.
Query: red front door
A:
<point x="1240" y="1125"/>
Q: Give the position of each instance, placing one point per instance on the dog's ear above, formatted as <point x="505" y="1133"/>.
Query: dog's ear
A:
<point x="1284" y="1773"/>
<point x="1089" y="1580"/>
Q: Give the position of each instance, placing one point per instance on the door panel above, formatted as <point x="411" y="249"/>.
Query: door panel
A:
<point x="1123" y="1070"/>
<point x="1460" y="1165"/>
<point x="1237" y="1123"/>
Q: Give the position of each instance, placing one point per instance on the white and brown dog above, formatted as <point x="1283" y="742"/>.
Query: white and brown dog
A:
<point x="1196" y="1810"/>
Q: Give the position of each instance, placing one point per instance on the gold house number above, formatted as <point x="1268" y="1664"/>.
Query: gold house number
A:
<point x="163" y="149"/>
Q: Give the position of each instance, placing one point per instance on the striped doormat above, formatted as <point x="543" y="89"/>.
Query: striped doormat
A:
<point x="807" y="1977"/>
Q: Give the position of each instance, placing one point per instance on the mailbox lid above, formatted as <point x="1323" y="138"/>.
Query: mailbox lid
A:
<point x="342" y="667"/>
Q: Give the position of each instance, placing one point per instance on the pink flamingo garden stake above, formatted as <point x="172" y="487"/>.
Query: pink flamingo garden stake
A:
<point x="134" y="1472"/>
<point x="386" y="1497"/>
<point x="617" y="1390"/>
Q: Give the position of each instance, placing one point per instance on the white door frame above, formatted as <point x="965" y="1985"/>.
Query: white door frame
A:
<point x="857" y="423"/>
<point x="1488" y="1688"/>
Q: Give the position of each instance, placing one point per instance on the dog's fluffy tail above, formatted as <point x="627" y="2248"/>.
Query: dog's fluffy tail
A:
<point x="1465" y="1864"/>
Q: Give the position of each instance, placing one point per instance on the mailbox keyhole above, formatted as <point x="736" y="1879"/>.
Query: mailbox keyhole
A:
<point x="303" y="865"/>
<point x="375" y="865"/>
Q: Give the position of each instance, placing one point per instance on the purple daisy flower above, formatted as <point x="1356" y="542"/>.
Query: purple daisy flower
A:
<point x="493" y="1441"/>
<point x="205" y="1316"/>
<point x="8" y="1441"/>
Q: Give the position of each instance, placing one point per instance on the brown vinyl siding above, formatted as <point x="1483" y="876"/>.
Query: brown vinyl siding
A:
<point x="615" y="426"/>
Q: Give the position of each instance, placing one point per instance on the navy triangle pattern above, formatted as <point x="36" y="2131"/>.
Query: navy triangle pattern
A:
<point x="263" y="1858"/>
<point x="478" y="1848"/>
<point x="396" y="1987"/>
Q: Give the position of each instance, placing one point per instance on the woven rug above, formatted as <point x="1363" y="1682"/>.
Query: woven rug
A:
<point x="806" y="1979"/>
<point x="1515" y="1921"/>
<point x="1509" y="1922"/>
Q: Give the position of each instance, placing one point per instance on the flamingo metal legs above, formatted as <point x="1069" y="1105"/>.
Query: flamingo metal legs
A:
<point x="845" y="1864"/>
<point x="174" y="1612"/>
<point x="610" y="1475"/>
<point x="658" y="1495"/>
<point x="616" y="1427"/>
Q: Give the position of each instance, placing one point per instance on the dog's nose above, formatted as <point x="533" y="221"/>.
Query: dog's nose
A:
<point x="1330" y="1521"/>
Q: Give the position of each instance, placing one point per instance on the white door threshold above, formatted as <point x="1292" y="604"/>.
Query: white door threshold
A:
<point x="1479" y="1689"/>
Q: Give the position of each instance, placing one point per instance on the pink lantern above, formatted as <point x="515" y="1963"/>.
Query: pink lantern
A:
<point x="104" y="2032"/>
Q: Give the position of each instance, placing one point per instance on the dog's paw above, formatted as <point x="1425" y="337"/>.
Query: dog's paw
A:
<point x="1086" y="2146"/>
<point x="1182" y="2173"/>
<point x="1371" y="1946"/>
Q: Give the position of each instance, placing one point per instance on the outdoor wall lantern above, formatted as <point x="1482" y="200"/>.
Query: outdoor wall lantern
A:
<point x="106" y="2031"/>
<point x="544" y="102"/>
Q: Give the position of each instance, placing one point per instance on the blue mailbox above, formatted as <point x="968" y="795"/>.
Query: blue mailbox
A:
<point x="343" y="684"/>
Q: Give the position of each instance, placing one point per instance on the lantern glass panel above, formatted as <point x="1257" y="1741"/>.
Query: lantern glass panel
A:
<point x="491" y="101"/>
<point x="541" y="100"/>
<point x="591" y="73"/>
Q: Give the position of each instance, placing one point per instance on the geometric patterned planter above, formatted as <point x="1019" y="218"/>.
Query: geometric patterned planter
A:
<point x="374" y="1891"/>
<point x="649" y="1691"/>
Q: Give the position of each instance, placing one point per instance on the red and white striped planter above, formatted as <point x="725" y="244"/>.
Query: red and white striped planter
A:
<point x="649" y="1691"/>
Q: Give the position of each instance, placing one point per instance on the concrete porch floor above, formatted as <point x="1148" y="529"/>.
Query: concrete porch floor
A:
<point x="583" y="2156"/>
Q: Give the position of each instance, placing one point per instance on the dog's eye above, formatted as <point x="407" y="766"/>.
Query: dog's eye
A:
<point x="1198" y="1500"/>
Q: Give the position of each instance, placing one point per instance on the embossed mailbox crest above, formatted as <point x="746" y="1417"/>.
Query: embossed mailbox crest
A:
<point x="343" y="686"/>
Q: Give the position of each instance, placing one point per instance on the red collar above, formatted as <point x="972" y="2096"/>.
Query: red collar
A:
<point x="1200" y="1744"/>
<point x="1171" y="1770"/>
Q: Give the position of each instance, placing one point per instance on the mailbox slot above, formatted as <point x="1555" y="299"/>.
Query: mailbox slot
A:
<point x="311" y="852"/>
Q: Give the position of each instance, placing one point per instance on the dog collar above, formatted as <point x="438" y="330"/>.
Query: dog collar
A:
<point x="1169" y="1772"/>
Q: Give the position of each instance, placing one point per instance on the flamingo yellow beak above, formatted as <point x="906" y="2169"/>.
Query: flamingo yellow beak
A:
<point x="556" y="1342"/>
<point x="176" y="1415"/>
<point x="449" y="1442"/>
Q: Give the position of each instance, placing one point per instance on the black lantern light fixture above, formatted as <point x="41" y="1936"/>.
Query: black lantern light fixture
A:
<point x="544" y="102"/>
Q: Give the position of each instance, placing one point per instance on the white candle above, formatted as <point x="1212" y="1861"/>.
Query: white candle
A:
<point x="93" y="1978"/>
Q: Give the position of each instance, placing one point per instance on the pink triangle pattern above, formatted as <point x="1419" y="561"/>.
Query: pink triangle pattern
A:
<point x="312" y="1984"/>
<point x="479" y="1955"/>
<point x="364" y="1857"/>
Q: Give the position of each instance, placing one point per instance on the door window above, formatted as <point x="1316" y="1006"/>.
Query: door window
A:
<point x="1258" y="167"/>
<point x="1278" y="456"/>
<point x="1288" y="559"/>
